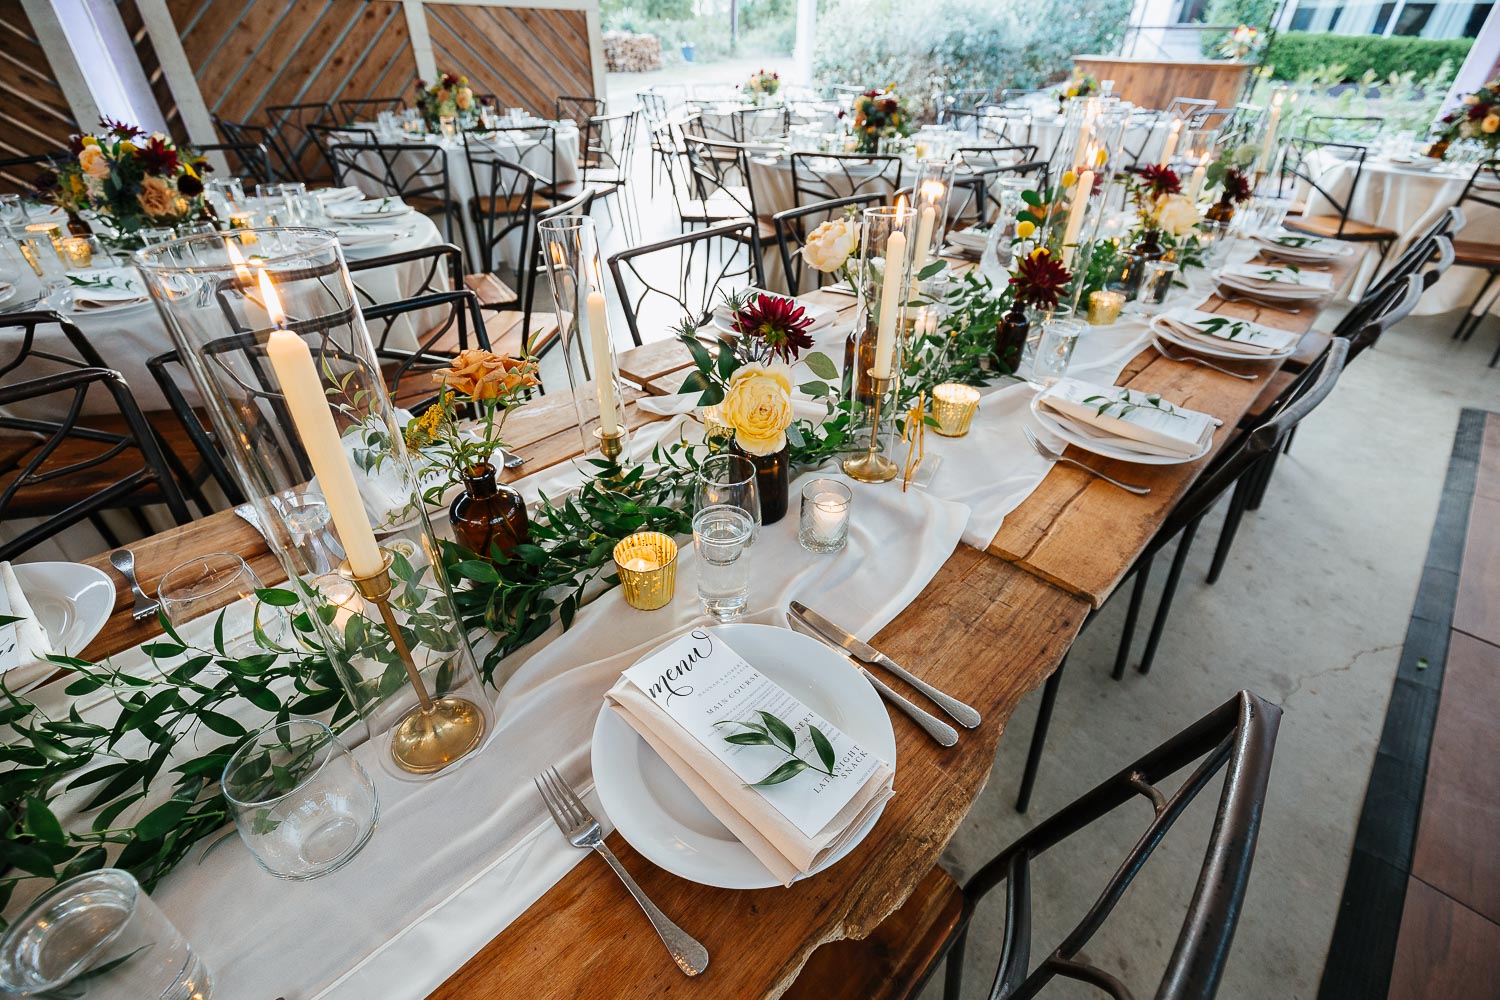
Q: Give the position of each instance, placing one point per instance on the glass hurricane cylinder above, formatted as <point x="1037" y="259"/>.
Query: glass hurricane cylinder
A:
<point x="267" y="324"/>
<point x="933" y="189"/>
<point x="1090" y="151"/>
<point x="570" y="247"/>
<point x="887" y="285"/>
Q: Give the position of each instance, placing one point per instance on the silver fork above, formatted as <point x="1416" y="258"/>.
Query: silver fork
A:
<point x="1048" y="453"/>
<point x="1233" y="296"/>
<point x="1194" y="359"/>
<point x="124" y="561"/>
<point x="582" y="830"/>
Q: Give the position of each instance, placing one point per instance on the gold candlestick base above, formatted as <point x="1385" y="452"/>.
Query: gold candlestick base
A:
<point x="612" y="446"/>
<point x="436" y="733"/>
<point x="873" y="467"/>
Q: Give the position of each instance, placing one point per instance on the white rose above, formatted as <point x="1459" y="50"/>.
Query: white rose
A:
<point x="829" y="246"/>
<point x="1176" y="214"/>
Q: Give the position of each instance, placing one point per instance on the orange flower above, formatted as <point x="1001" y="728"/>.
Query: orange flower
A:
<point x="484" y="375"/>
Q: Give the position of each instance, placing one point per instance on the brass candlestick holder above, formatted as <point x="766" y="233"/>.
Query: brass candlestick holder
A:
<point x="873" y="467"/>
<point x="438" y="731"/>
<point x="612" y="446"/>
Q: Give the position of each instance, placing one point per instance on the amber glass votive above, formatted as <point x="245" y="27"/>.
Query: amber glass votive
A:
<point x="77" y="253"/>
<point x="1105" y="306"/>
<point x="647" y="564"/>
<point x="953" y="407"/>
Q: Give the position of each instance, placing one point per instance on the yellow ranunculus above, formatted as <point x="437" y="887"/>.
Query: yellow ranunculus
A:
<point x="1072" y="91"/>
<point x="127" y="147"/>
<point x="1069" y="178"/>
<point x="1101" y="157"/>
<point x="759" y="408"/>
<point x="93" y="163"/>
<point x="1024" y="229"/>
<point x="89" y="140"/>
<point x="1490" y="123"/>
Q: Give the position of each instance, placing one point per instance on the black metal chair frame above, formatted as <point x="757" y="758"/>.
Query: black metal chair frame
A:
<point x="1293" y="164"/>
<point x="960" y="100"/>
<point x="792" y="228"/>
<point x="501" y="206"/>
<point x="292" y="149"/>
<point x="729" y="237"/>
<point x="47" y="162"/>
<point x="714" y="166"/>
<point x="254" y="160"/>
<point x="605" y="160"/>
<point x="739" y="121"/>
<point x="406" y="170"/>
<point x="1186" y="107"/>
<point x="806" y="163"/>
<point x="1487" y="194"/>
<point x="978" y="180"/>
<point x="1238" y="738"/>
<point x="351" y="108"/>
<point x="579" y="109"/>
<point x="580" y="205"/>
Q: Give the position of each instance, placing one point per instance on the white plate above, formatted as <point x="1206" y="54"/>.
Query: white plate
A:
<point x="1274" y="294"/>
<point x="1166" y="333"/>
<point x="1066" y="431"/>
<point x="72" y="601"/>
<point x="662" y="819"/>
<point x="363" y="211"/>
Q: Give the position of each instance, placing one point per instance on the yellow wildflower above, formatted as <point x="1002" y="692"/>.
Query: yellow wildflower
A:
<point x="1069" y="178"/>
<point x="1024" y="229"/>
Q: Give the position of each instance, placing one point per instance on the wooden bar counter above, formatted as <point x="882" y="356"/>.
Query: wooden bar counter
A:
<point x="1152" y="83"/>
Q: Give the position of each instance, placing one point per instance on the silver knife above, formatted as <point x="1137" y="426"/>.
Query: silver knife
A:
<point x="963" y="714"/>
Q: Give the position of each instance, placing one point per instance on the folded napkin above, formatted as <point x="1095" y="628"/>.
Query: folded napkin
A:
<point x="821" y="316"/>
<point x="974" y="238"/>
<point x="24" y="641"/>
<point x="365" y="235"/>
<point x="774" y="840"/>
<point x="1226" y="332"/>
<point x="1276" y="277"/>
<point x="1293" y="245"/>
<point x="1143" y="422"/>
<point x="346" y="193"/>
<point x="105" y="287"/>
<point x="371" y="208"/>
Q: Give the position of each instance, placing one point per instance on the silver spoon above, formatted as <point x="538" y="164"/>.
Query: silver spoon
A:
<point x="1048" y="453"/>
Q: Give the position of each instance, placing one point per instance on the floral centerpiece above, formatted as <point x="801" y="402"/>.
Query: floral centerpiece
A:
<point x="1234" y="186"/>
<point x="762" y="84"/>
<point x="1160" y="204"/>
<point x="488" y="518"/>
<point x="1241" y="42"/>
<point x="879" y="115"/>
<point x="1477" y="118"/>
<point x="830" y="248"/>
<point x="1079" y="85"/>
<point x="128" y="180"/>
<point x="450" y="97"/>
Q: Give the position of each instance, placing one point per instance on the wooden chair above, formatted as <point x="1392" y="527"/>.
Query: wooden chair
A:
<point x="699" y="264"/>
<point x="1483" y="188"/>
<point x="1300" y="162"/>
<point x="823" y="176"/>
<point x="792" y="226"/>
<point x="298" y="148"/>
<point x="368" y="109"/>
<point x="932" y="928"/>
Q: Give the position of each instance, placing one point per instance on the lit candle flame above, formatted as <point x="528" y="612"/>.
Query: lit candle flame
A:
<point x="237" y="261"/>
<point x="271" y="301"/>
<point x="901" y="204"/>
<point x="932" y="190"/>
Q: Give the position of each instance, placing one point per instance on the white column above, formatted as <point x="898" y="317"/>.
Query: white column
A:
<point x="89" y="33"/>
<point x="421" y="42"/>
<point x="596" y="47"/>
<point x="807" y="29"/>
<point x="191" y="107"/>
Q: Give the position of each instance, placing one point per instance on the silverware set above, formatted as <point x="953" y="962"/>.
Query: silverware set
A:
<point x="1055" y="456"/>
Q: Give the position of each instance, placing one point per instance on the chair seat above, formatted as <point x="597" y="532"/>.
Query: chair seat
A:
<point x="485" y="205"/>
<point x="506" y="335"/>
<point x="492" y="292"/>
<point x="892" y="963"/>
<point x="1476" y="254"/>
<point x="571" y="190"/>
<point x="1328" y="226"/>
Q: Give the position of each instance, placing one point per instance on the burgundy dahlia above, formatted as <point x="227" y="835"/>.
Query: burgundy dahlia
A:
<point x="158" y="158"/>
<point x="1160" y="180"/>
<point x="1039" y="279"/>
<point x="781" y="324"/>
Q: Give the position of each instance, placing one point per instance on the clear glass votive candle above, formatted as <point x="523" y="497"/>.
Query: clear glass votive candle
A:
<point x="824" y="526"/>
<point x="448" y="125"/>
<point x="647" y="564"/>
<point x="77" y="253"/>
<point x="1055" y="352"/>
<point x="1105" y="306"/>
<point x="953" y="407"/>
<point x="1157" y="284"/>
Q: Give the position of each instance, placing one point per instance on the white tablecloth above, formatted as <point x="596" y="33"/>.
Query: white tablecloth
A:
<point x="1408" y="200"/>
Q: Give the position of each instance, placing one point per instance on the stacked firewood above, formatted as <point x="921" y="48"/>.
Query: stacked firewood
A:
<point x="625" y="52"/>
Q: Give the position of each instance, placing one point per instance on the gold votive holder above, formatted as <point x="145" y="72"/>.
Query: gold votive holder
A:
<point x="77" y="253"/>
<point x="953" y="407"/>
<point x="647" y="564"/>
<point x="52" y="230"/>
<point x="1105" y="306"/>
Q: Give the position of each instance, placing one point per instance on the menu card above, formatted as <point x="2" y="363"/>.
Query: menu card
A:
<point x="704" y="686"/>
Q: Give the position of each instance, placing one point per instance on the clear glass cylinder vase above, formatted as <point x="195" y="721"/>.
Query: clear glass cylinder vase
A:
<point x="883" y="324"/>
<point x="570" y="247"/>
<point x="267" y="324"/>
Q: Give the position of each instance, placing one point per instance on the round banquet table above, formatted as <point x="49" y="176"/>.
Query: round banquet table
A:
<point x="1408" y="199"/>
<point x="129" y="335"/>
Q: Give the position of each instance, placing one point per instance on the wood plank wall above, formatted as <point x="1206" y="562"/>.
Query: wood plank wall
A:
<point x="34" y="115"/>
<point x="526" y="56"/>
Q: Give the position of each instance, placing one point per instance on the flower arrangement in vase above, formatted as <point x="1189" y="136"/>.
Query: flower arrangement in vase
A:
<point x="128" y="180"/>
<point x="1241" y="42"/>
<point x="487" y="517"/>
<point x="1477" y="118"/>
<point x="1079" y="85"/>
<point x="450" y="97"/>
<point x="1234" y="189"/>
<point x="1037" y="281"/>
<point x="878" y="115"/>
<point x="762" y="84"/>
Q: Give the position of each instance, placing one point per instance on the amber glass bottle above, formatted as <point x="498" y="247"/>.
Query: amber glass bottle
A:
<point x="772" y="482"/>
<point x="488" y="513"/>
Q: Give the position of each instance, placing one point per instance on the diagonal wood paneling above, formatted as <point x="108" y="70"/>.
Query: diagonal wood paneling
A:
<point x="525" y="56"/>
<point x="34" y="115"/>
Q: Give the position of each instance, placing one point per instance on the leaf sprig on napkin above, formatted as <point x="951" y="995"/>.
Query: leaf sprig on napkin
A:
<point x="773" y="732"/>
<point x="1231" y="328"/>
<point x="1291" y="274"/>
<point x="113" y="281"/>
<point x="1126" y="406"/>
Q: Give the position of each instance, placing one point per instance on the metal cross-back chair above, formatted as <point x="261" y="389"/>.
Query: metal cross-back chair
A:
<point x="654" y="106"/>
<point x="531" y="331"/>
<point x="1210" y="118"/>
<point x="760" y="124"/>
<point x="1143" y="122"/>
<point x="702" y="263"/>
<point x="1000" y="124"/>
<point x="415" y="172"/>
<point x="353" y="110"/>
<point x="960" y="100"/>
<point x="720" y="171"/>
<point x="245" y="159"/>
<point x="793" y="225"/>
<point x="1340" y="128"/>
<point x="506" y="198"/>
<point x="298" y="148"/>
<point x="1186" y="107"/>
<point x="579" y="109"/>
<point x="1483" y="188"/>
<point x="1304" y="160"/>
<point x="708" y="125"/>
<point x="821" y="176"/>
<point x="976" y="170"/>
<point x="692" y="209"/>
<point x="607" y="152"/>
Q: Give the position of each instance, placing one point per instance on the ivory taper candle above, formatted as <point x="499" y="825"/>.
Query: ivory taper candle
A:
<point x="1077" y="208"/>
<point x="1170" y="146"/>
<point x="604" y="382"/>
<point x="890" y="302"/>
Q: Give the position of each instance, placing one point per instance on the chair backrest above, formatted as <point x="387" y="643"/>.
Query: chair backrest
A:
<point x="707" y="123"/>
<point x="960" y="100"/>
<point x="170" y="375"/>
<point x="247" y="159"/>
<point x="23" y="490"/>
<point x="300" y="151"/>
<point x="978" y="168"/>
<point x="1341" y="128"/>
<point x="18" y="346"/>
<point x="1305" y="160"/>
<point x="716" y="167"/>
<point x="504" y="200"/>
<point x="437" y="325"/>
<point x="579" y="109"/>
<point x="1185" y="107"/>
<point x="793" y="225"/>
<point x="682" y="278"/>
<point x="653" y="106"/>
<point x="355" y="110"/>
<point x="1210" y="118"/>
<point x="609" y="144"/>
<point x="25" y="175"/>
<point x="824" y="176"/>
<point x="1483" y="187"/>
<point x="1238" y="738"/>
<point x="1418" y="254"/>
<point x="1401" y="301"/>
<point x="424" y="270"/>
<point x="580" y="206"/>
<point x="400" y="169"/>
<point x="759" y="124"/>
<point x="1142" y="128"/>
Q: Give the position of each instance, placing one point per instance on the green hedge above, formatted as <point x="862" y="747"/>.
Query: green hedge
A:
<point x="1295" y="53"/>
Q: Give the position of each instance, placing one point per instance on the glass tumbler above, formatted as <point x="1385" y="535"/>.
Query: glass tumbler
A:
<point x="1156" y="285"/>
<point x="12" y="214"/>
<point x="721" y="536"/>
<point x="302" y="804"/>
<point x="730" y="480"/>
<point x="101" y="937"/>
<point x="213" y="581"/>
<point x="824" y="525"/>
<point x="1053" y="354"/>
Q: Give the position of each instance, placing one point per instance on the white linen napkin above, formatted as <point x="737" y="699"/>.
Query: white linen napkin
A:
<point x="333" y="194"/>
<point x="821" y="316"/>
<point x="1141" y="421"/>
<point x="1226" y="333"/>
<point x="1293" y="245"/>
<point x="366" y="235"/>
<point x="1275" y="277"/>
<point x="105" y="287"/>
<point x="24" y="641"/>
<point x="370" y="208"/>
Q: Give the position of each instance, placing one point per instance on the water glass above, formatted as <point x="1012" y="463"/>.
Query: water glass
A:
<point x="824" y="523"/>
<point x="1040" y="316"/>
<point x="40" y="252"/>
<point x="12" y="213"/>
<point x="152" y="235"/>
<point x="99" y="935"/>
<point x="208" y="583"/>
<point x="1156" y="285"/>
<point x="721" y="536"/>
<point x="1059" y="337"/>
<point x="1215" y="238"/>
<point x="225" y="194"/>
<point x="302" y="804"/>
<point x="729" y="480"/>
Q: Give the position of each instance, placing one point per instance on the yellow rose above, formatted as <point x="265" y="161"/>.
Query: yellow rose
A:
<point x="759" y="408"/>
<point x="89" y="140"/>
<point x="1069" y="178"/>
<point x="464" y="98"/>
<point x="1490" y="123"/>
<point x="157" y="199"/>
<point x="480" y="374"/>
<point x="829" y="246"/>
<point x="1024" y="229"/>
<point x="1176" y="214"/>
<point x="93" y="163"/>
